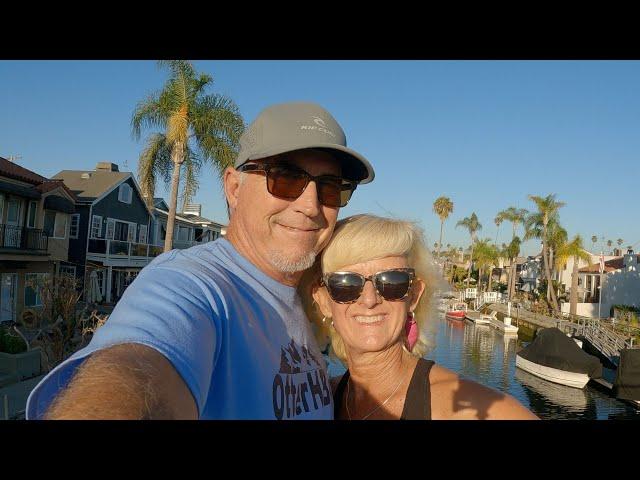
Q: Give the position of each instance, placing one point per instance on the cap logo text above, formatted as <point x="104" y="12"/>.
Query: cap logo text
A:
<point x="319" y="125"/>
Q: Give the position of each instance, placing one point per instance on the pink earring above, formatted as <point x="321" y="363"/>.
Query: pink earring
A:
<point x="411" y="328"/>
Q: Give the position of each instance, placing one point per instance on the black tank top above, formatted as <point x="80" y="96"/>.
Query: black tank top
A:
<point x="417" y="404"/>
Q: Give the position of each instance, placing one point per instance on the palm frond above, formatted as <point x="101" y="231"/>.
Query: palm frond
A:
<point x="154" y="160"/>
<point x="192" y="166"/>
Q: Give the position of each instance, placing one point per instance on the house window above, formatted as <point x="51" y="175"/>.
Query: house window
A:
<point x="55" y="224"/>
<point x="31" y="216"/>
<point x="33" y="289"/>
<point x="142" y="234"/>
<point x="13" y="211"/>
<point x="96" y="226"/>
<point x="75" y="225"/>
<point x="60" y="227"/>
<point x="68" y="270"/>
<point x="49" y="222"/>
<point x="111" y="226"/>
<point x="124" y="193"/>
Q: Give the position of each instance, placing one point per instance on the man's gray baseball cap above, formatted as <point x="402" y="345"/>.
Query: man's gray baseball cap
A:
<point x="296" y="125"/>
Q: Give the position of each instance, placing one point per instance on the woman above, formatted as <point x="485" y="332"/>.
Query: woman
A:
<point x="372" y="291"/>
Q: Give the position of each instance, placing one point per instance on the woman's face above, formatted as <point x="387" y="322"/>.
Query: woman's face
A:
<point x="371" y="323"/>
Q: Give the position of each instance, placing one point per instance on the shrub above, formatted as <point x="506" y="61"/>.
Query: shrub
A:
<point x="11" y="343"/>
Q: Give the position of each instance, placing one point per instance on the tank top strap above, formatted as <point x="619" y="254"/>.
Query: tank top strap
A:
<point x="337" y="395"/>
<point x="417" y="404"/>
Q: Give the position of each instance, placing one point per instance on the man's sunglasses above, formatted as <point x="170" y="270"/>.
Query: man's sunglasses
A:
<point x="346" y="287"/>
<point x="286" y="181"/>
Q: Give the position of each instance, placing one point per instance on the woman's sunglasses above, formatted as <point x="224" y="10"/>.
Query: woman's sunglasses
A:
<point x="286" y="181"/>
<point x="346" y="287"/>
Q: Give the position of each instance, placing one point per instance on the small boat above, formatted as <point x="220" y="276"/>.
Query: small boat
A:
<point x="556" y="358"/>
<point x="456" y="311"/>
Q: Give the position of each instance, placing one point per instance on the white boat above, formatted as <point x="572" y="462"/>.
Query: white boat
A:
<point x="556" y="358"/>
<point x="558" y="394"/>
<point x="570" y="379"/>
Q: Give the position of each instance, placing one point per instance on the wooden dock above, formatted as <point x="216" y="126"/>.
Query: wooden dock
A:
<point x="477" y="317"/>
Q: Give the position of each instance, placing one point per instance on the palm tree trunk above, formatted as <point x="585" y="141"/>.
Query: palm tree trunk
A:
<point x="573" y="299"/>
<point x="440" y="242"/>
<point x="470" y="263"/>
<point x="177" y="155"/>
<point x="547" y="271"/>
<point x="490" y="278"/>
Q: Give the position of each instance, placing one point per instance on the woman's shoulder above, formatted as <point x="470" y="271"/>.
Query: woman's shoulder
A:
<point x="454" y="398"/>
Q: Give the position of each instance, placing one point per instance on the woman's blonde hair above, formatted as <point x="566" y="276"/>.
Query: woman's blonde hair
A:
<point x="362" y="238"/>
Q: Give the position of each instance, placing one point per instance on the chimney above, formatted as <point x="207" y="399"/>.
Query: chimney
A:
<point x="193" y="208"/>
<point x="106" y="167"/>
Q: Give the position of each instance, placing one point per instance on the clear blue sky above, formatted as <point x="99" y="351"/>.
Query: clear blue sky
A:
<point x="484" y="133"/>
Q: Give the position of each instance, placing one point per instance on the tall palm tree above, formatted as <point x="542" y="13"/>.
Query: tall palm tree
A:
<point x="537" y="226"/>
<point x="472" y="225"/>
<point x="498" y="220"/>
<point x="573" y="249"/>
<point x="594" y="240"/>
<point x="516" y="216"/>
<point x="619" y="242"/>
<point x="443" y="207"/>
<point x="609" y="243"/>
<point x="196" y="128"/>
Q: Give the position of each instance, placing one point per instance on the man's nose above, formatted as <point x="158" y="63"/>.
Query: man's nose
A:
<point x="308" y="202"/>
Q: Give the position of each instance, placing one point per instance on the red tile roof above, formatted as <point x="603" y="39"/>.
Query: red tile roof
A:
<point x="609" y="266"/>
<point x="15" y="171"/>
<point x="42" y="184"/>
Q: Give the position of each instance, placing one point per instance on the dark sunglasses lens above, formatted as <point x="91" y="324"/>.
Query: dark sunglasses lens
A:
<point x="332" y="193"/>
<point x="285" y="182"/>
<point x="344" y="287"/>
<point x="393" y="285"/>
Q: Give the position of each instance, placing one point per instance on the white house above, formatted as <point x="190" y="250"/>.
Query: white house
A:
<point x="620" y="286"/>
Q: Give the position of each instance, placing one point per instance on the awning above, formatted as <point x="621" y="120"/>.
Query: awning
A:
<point x="29" y="192"/>
<point x="60" y="204"/>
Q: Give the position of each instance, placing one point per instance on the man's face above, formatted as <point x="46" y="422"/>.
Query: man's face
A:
<point x="285" y="235"/>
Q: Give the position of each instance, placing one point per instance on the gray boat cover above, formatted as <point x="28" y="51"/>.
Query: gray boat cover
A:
<point x="552" y="348"/>
<point x="627" y="383"/>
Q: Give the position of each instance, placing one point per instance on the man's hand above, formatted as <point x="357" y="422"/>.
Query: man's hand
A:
<point x="127" y="382"/>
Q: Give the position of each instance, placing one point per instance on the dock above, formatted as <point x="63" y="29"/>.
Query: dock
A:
<point x="503" y="327"/>
<point x="477" y="317"/>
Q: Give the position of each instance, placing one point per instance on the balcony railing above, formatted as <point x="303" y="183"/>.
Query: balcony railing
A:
<point x="23" y="238"/>
<point x="118" y="249"/>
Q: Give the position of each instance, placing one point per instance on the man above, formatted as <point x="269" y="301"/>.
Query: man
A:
<point x="218" y="331"/>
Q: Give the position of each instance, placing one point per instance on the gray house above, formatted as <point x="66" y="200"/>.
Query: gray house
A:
<point x="109" y="228"/>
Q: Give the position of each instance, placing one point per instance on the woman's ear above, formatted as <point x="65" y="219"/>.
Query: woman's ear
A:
<point x="321" y="297"/>
<point x="417" y="289"/>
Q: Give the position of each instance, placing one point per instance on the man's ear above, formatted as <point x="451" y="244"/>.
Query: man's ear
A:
<point x="231" y="182"/>
<point x="417" y="289"/>
<point x="321" y="297"/>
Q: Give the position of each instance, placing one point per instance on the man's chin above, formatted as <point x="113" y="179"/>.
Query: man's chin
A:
<point x="289" y="263"/>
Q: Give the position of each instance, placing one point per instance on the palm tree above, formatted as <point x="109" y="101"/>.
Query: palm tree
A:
<point x="537" y="226"/>
<point x="197" y="129"/>
<point x="443" y="207"/>
<point x="472" y="225"/>
<point x="609" y="243"/>
<point x="486" y="256"/>
<point x="516" y="216"/>
<point x="620" y="242"/>
<point x="498" y="220"/>
<point x="573" y="249"/>
<point x="594" y="240"/>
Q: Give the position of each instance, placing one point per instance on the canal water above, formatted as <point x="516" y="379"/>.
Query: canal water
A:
<point x="483" y="354"/>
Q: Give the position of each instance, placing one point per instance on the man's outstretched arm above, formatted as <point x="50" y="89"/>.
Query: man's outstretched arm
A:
<point x="127" y="382"/>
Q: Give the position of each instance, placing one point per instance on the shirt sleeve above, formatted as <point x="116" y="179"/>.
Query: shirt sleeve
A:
<point x="166" y="308"/>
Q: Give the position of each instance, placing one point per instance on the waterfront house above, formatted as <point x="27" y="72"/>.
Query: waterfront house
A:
<point x="35" y="225"/>
<point x="110" y="228"/>
<point x="620" y="285"/>
<point x="190" y="227"/>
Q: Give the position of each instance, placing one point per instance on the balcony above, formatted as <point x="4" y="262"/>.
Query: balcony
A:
<point x="14" y="239"/>
<point x="120" y="253"/>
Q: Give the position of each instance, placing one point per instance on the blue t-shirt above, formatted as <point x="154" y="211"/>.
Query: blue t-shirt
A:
<point x="239" y="339"/>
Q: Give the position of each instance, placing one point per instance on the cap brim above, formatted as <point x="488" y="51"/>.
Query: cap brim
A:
<point x="357" y="167"/>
